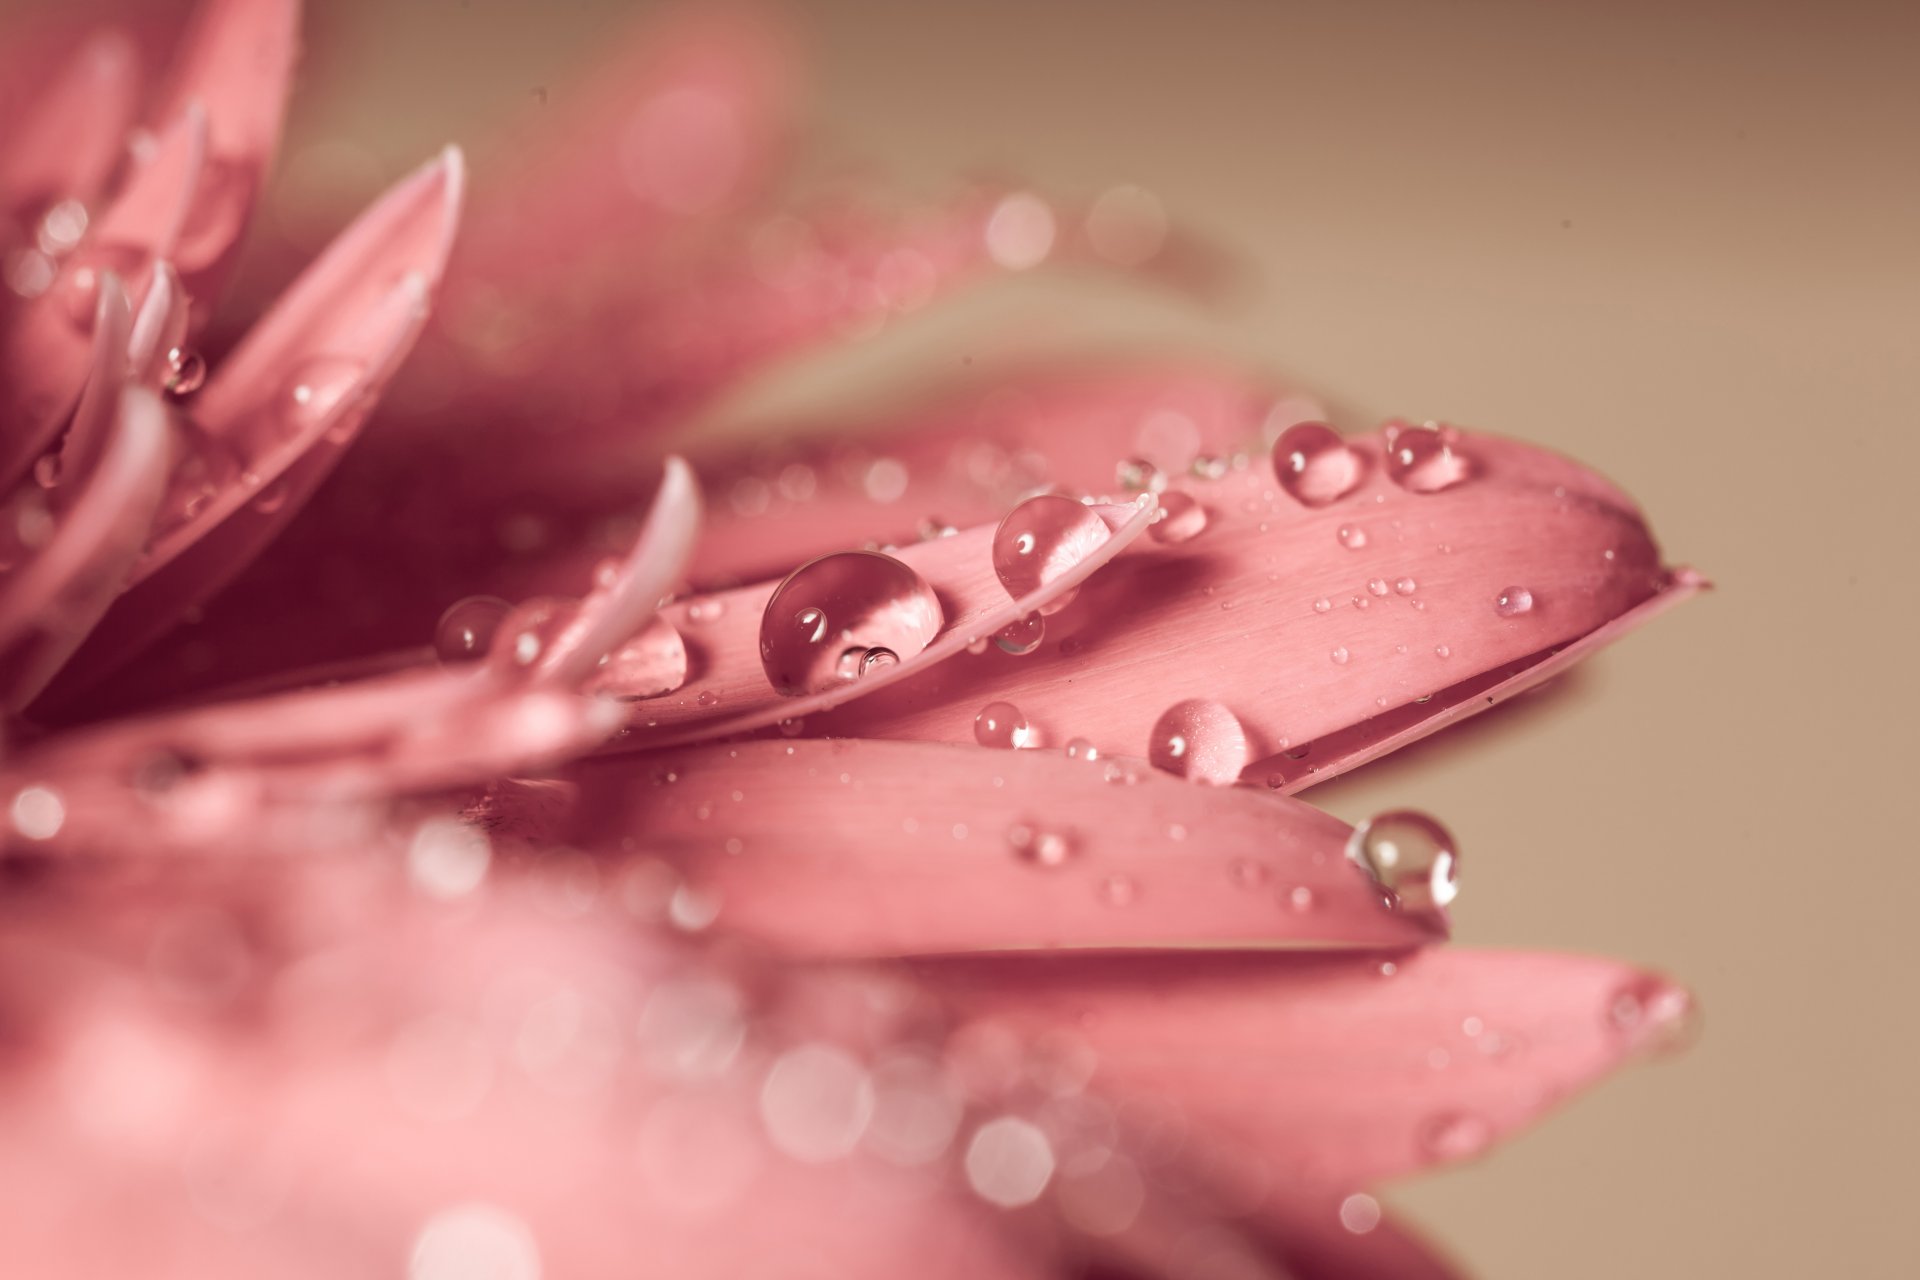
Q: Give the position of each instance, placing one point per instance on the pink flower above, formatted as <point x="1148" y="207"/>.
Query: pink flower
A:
<point x="940" y="909"/>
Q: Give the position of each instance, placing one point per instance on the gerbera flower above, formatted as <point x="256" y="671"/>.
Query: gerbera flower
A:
<point x="921" y="889"/>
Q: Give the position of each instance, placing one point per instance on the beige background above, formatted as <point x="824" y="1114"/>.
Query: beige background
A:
<point x="1679" y="241"/>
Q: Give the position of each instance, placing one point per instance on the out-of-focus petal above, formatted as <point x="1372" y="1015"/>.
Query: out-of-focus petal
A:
<point x="283" y="406"/>
<point x="1355" y="1068"/>
<point x="73" y="130"/>
<point x="852" y="848"/>
<point x="158" y="328"/>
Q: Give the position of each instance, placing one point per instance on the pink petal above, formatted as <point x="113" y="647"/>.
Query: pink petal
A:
<point x="159" y="328"/>
<point x="1357" y="1068"/>
<point x="731" y="692"/>
<point x="101" y="400"/>
<point x="851" y="848"/>
<point x="288" y="400"/>
<point x="73" y="130"/>
<point x="47" y="609"/>
<point x="236" y="61"/>
<point x="1300" y="635"/>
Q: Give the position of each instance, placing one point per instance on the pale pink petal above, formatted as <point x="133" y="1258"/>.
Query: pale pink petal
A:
<point x="48" y="608"/>
<point x="287" y="401"/>
<point x="236" y="61"/>
<point x="852" y="848"/>
<point x="731" y="692"/>
<point x="101" y="400"/>
<point x="159" y="328"/>
<point x="152" y="207"/>
<point x="73" y="131"/>
<point x="1357" y="1068"/>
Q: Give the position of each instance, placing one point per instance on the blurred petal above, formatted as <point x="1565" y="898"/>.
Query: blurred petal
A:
<point x="850" y="848"/>
<point x="1356" y="1068"/>
<point x="287" y="401"/>
<point x="159" y="328"/>
<point x="73" y="129"/>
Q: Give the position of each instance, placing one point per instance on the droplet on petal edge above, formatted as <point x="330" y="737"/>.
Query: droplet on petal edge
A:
<point x="1201" y="741"/>
<point x="841" y="616"/>
<point x="1411" y="856"/>
<point x="1041" y="539"/>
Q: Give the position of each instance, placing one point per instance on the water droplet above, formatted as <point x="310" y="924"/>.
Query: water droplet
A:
<point x="1314" y="465"/>
<point x="1003" y="725"/>
<point x="858" y="603"/>
<point x="1339" y="655"/>
<point x="1300" y="899"/>
<point x="315" y="391"/>
<point x="1442" y="651"/>
<point x="1041" y="539"/>
<point x="1377" y="585"/>
<point x="1201" y="741"/>
<point x="186" y="372"/>
<point x="1039" y="845"/>
<point x="1181" y="518"/>
<point x="1081" y="749"/>
<point x="1455" y="1135"/>
<point x="651" y="662"/>
<point x="1425" y="459"/>
<point x="700" y="612"/>
<point x="1352" y="537"/>
<point x="1137" y="475"/>
<point x="530" y="630"/>
<point x="1120" y="773"/>
<point x="933" y="527"/>
<point x="1411" y="856"/>
<point x="466" y="630"/>
<point x="1513" y="602"/>
<point x="1406" y="586"/>
<point x="1322" y="605"/>
<point x="1361" y="602"/>
<point x="1022" y="637"/>
<point x="1208" y="467"/>
<point x="1247" y="873"/>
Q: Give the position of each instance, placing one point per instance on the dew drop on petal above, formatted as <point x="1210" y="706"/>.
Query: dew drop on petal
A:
<point x="530" y="630"/>
<point x="1039" y="845"/>
<point x="1513" y="602"/>
<point x="1009" y="1162"/>
<point x="1082" y="749"/>
<point x="186" y="372"/>
<point x="1201" y="741"/>
<point x="1352" y="536"/>
<point x="1314" y="465"/>
<point x="1022" y="637"/>
<point x="1406" y="586"/>
<point x="1455" y="1135"/>
<point x="1181" y="518"/>
<point x="466" y="630"/>
<point x="1137" y="475"/>
<point x="1322" y="605"/>
<point x="1425" y="459"/>
<point x="1378" y="586"/>
<point x="1339" y="655"/>
<point x="1002" y="725"/>
<point x="1411" y="856"/>
<point x="1041" y="539"/>
<point x="651" y="662"/>
<point x="1653" y="1014"/>
<point x="842" y="616"/>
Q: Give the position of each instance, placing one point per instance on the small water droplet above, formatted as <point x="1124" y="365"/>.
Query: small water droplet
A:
<point x="1411" y="856"/>
<point x="931" y="528"/>
<point x="707" y="698"/>
<point x="186" y="372"/>
<point x="1081" y="749"/>
<point x="1002" y="725"/>
<point x="1300" y="899"/>
<point x="1426" y="459"/>
<point x="1314" y="465"/>
<point x="466" y="630"/>
<point x="792" y="727"/>
<point x="700" y="612"/>
<point x="1352" y="536"/>
<point x="842" y="616"/>
<point x="1377" y="585"/>
<point x="1406" y="586"/>
<point x="1137" y="475"/>
<point x="1181" y="519"/>
<point x="1442" y="651"/>
<point x="1455" y="1135"/>
<point x="1041" y="539"/>
<point x="530" y="630"/>
<point x="1038" y="845"/>
<point x="1322" y="605"/>
<point x="1208" y="467"/>
<point x="1513" y="602"/>
<point x="1120" y="773"/>
<point x="1339" y="655"/>
<point x="1201" y="741"/>
<point x="1022" y="637"/>
<point x="1653" y="1014"/>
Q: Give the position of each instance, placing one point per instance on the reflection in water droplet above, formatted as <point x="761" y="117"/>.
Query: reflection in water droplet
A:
<point x="186" y="372"/>
<point x="1513" y="602"/>
<point x="1314" y="465"/>
<point x="1081" y="749"/>
<point x="1002" y="725"/>
<point x="650" y="663"/>
<point x="1426" y="459"/>
<point x="1654" y="1014"/>
<point x="1181" y="518"/>
<point x="1322" y="605"/>
<point x="1339" y="655"/>
<point x="1377" y="585"/>
<point x="842" y="616"/>
<point x="1041" y="539"/>
<point x="1411" y="856"/>
<point x="1137" y="475"/>
<point x="1406" y="586"/>
<point x="1352" y="537"/>
<point x="1201" y="741"/>
<point x="466" y="630"/>
<point x="1022" y="637"/>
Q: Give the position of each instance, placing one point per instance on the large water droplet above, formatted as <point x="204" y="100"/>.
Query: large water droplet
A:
<point x="1181" y="518"/>
<point x="1513" y="602"/>
<point x="1022" y="637"/>
<point x="1426" y="459"/>
<point x="650" y="663"/>
<point x="1201" y="741"/>
<point x="467" y="628"/>
<point x="1041" y="539"/>
<point x="1003" y="725"/>
<point x="842" y="616"/>
<point x="1314" y="465"/>
<point x="1411" y="856"/>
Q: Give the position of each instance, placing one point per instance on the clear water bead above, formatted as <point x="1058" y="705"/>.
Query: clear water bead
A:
<point x="651" y="662"/>
<point x="1137" y="475"/>
<point x="466" y="630"/>
<point x="1513" y="602"/>
<point x="1314" y="465"/>
<point x="1426" y="459"/>
<point x="842" y="616"/>
<point x="1038" y="845"/>
<point x="1002" y="725"/>
<point x="1181" y="519"/>
<point x="186" y="371"/>
<point x="1201" y="741"/>
<point x="1411" y="856"/>
<point x="1042" y="538"/>
<point x="1352" y="536"/>
<point x="1082" y="749"/>
<point x="1023" y="637"/>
